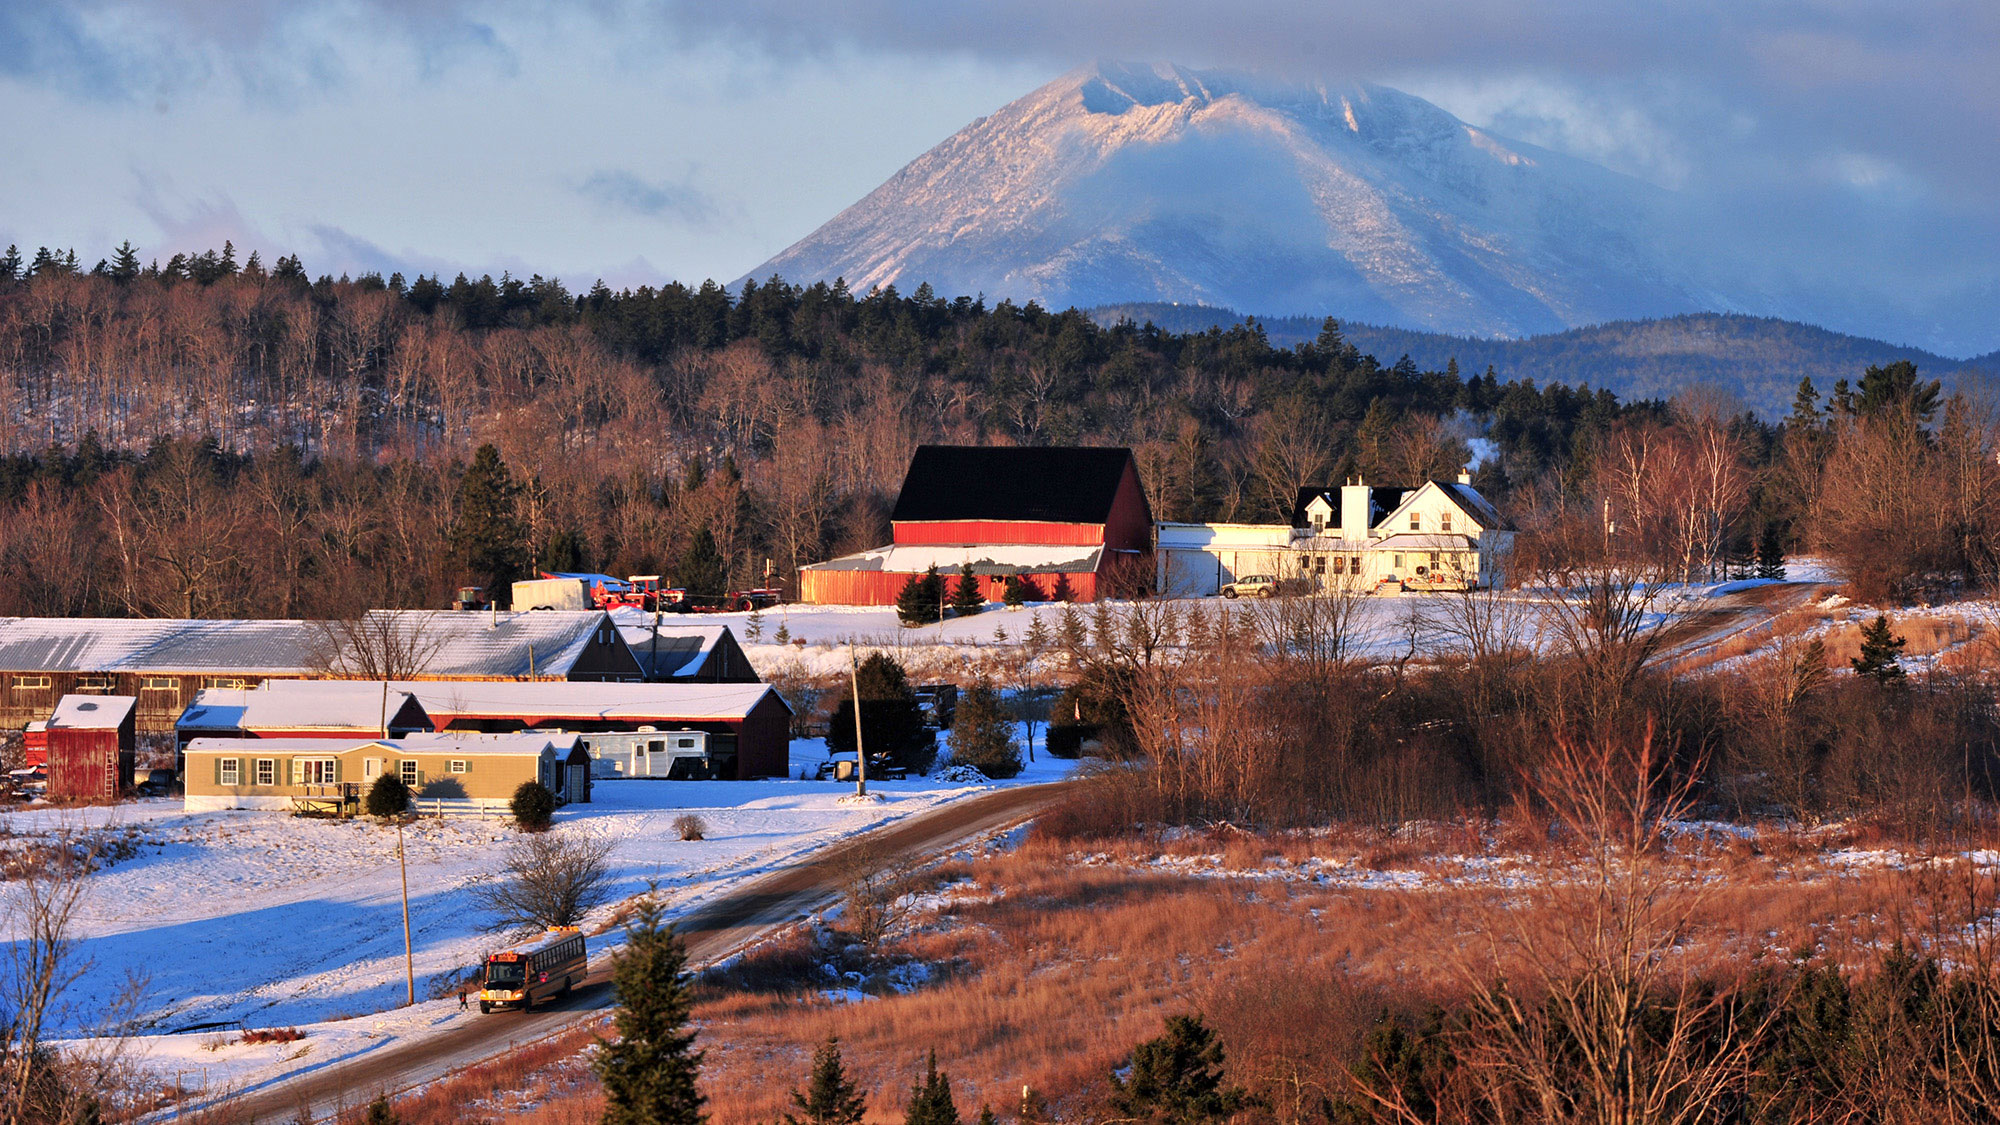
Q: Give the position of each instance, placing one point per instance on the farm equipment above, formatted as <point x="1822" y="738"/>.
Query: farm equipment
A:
<point x="640" y="591"/>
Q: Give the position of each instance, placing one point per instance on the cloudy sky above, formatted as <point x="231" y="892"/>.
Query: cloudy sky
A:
<point x="645" y="141"/>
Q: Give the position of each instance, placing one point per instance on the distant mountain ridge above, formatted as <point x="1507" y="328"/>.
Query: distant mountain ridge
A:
<point x="1761" y="359"/>
<point x="1155" y="182"/>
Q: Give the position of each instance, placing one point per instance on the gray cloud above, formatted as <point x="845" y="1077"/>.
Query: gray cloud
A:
<point x="626" y="191"/>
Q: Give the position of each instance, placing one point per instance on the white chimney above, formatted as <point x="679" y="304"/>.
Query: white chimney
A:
<point x="1354" y="521"/>
<point x="1465" y="476"/>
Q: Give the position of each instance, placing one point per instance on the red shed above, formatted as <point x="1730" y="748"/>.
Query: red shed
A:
<point x="91" y="746"/>
<point x="1044" y="512"/>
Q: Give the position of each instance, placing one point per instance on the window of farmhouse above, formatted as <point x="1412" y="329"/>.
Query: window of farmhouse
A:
<point x="267" y="771"/>
<point x="1416" y="522"/>
<point x="313" y="771"/>
<point x="1444" y="522"/>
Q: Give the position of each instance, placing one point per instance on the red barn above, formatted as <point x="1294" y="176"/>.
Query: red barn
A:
<point x="91" y="746"/>
<point x="1043" y="512"/>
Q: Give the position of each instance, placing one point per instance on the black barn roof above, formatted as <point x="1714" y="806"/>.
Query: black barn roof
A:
<point x="1047" y="483"/>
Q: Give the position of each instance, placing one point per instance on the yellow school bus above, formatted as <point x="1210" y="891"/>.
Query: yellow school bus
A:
<point x="532" y="972"/>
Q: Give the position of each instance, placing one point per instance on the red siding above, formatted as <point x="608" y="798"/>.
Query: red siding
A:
<point x="1130" y="526"/>
<point x="88" y="765"/>
<point x="1001" y="531"/>
<point x="879" y="587"/>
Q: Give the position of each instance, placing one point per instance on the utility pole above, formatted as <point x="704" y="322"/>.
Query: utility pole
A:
<point x="409" y="963"/>
<point x="860" y="751"/>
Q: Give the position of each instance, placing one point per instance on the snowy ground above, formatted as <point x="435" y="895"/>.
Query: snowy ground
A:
<point x="817" y="638"/>
<point x="259" y="920"/>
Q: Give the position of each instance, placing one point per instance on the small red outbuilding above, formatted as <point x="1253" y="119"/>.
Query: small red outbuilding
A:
<point x="92" y="747"/>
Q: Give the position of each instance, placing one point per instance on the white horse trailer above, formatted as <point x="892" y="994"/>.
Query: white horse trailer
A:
<point x="679" y="754"/>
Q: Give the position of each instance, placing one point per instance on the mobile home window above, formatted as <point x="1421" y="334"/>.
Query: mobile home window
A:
<point x="226" y="772"/>
<point x="458" y="765"/>
<point x="408" y="766"/>
<point x="267" y="771"/>
<point x="313" y="771"/>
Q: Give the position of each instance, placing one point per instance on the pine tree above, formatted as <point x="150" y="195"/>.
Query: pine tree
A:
<point x="930" y="1099"/>
<point x="125" y="263"/>
<point x="489" y="536"/>
<point x="1012" y="593"/>
<point x="380" y="1112"/>
<point x="982" y="733"/>
<point x="986" y="1116"/>
<point x="892" y="727"/>
<point x="1071" y="636"/>
<point x="1805" y="407"/>
<point x="914" y="603"/>
<point x="966" y="599"/>
<point x="1037" y="638"/>
<point x="702" y="570"/>
<point x="1770" y="553"/>
<point x="10" y="264"/>
<point x="829" y="1098"/>
<point x="649" y="1071"/>
<point x="1063" y="591"/>
<point x="1176" y="1079"/>
<point x="1879" y="649"/>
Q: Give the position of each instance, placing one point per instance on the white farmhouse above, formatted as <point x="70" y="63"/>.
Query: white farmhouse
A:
<point x="1435" y="536"/>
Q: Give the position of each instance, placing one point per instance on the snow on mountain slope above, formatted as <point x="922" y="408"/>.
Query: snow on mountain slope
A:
<point x="1123" y="183"/>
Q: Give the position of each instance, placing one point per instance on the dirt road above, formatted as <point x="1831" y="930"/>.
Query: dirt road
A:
<point x="712" y="931"/>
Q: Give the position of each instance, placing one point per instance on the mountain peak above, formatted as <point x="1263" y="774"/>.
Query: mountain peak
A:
<point x="1126" y="181"/>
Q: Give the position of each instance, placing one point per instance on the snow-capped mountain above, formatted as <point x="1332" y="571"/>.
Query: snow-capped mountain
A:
<point x="1158" y="183"/>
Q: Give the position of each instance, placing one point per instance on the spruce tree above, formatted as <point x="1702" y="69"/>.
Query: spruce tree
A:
<point x="1770" y="553"/>
<point x="1062" y="591"/>
<point x="649" y="1071"/>
<point x="380" y="1112"/>
<point x="10" y="264"/>
<point x="966" y="599"/>
<point x="1037" y="639"/>
<point x="829" y="1098"/>
<point x="914" y="604"/>
<point x="1071" y="635"/>
<point x="1176" y="1079"/>
<point x="930" y="1099"/>
<point x="1879" y="648"/>
<point x="702" y="570"/>
<point x="892" y="727"/>
<point x="982" y="733"/>
<point x="489" y="536"/>
<point x="125" y="263"/>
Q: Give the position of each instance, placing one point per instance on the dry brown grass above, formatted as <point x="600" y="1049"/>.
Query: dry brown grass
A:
<point x="1090" y="946"/>
<point x="551" y="1073"/>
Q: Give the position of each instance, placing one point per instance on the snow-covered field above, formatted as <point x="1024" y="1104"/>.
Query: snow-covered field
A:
<point x="257" y="919"/>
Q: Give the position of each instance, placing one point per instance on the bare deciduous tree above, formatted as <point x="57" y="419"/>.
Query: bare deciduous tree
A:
<point x="378" y="645"/>
<point x="550" y="879"/>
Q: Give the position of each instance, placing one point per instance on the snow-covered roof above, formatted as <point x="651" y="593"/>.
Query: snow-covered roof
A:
<point x="92" y="712"/>
<point x="526" y="742"/>
<point x="586" y="702"/>
<point x="1413" y="541"/>
<point x="450" y="643"/>
<point x="278" y="747"/>
<point x="680" y="649"/>
<point x="986" y="559"/>
<point x="301" y="705"/>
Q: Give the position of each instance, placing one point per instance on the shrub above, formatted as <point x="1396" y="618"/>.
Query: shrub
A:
<point x="982" y="735"/>
<point x="534" y="807"/>
<point x="891" y="725"/>
<point x="388" y="796"/>
<point x="691" y="827"/>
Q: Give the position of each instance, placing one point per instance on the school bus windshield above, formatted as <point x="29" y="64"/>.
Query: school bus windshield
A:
<point x="505" y="972"/>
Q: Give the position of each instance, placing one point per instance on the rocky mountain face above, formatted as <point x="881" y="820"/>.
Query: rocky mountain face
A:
<point x="1122" y="183"/>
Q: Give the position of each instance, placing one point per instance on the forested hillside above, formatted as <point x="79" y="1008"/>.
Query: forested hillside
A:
<point x="202" y="438"/>
<point x="1759" y="359"/>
